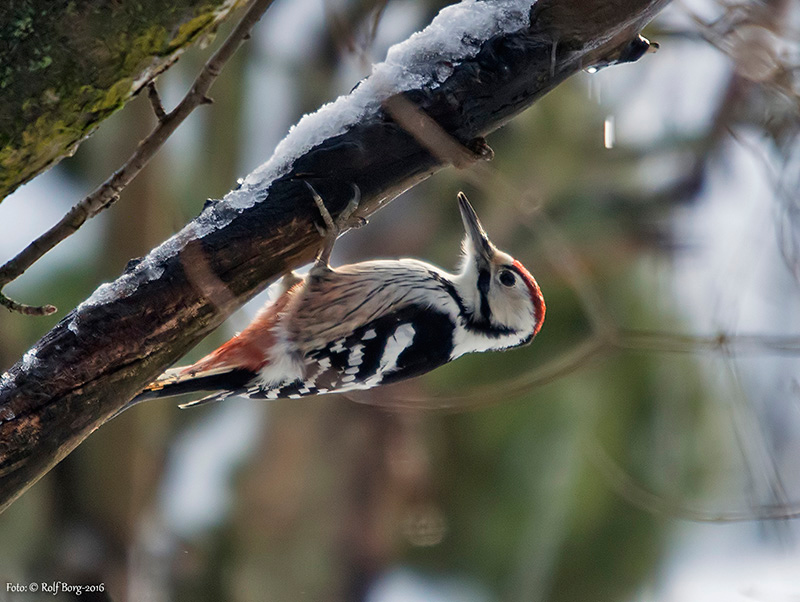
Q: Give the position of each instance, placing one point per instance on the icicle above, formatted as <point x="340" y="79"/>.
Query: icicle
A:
<point x="609" y="135"/>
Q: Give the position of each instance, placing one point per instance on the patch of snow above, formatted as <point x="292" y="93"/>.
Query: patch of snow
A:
<point x="151" y="267"/>
<point x="423" y="60"/>
<point x="400" y="19"/>
<point x="6" y="413"/>
<point x="29" y="360"/>
<point x="72" y="326"/>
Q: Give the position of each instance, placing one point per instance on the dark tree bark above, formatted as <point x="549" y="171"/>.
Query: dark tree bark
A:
<point x="64" y="67"/>
<point x="97" y="358"/>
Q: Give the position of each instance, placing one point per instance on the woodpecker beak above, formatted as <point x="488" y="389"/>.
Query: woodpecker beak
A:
<point x="476" y="235"/>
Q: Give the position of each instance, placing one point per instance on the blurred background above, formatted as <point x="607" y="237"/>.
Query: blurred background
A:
<point x="644" y="448"/>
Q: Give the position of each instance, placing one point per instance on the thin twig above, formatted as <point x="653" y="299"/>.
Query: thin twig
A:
<point x="607" y="336"/>
<point x="429" y="134"/>
<point x="577" y="358"/>
<point x="601" y="342"/>
<point x="155" y="101"/>
<point x="666" y="342"/>
<point x="629" y="489"/>
<point x="108" y="192"/>
<point x="27" y="310"/>
<point x="448" y="149"/>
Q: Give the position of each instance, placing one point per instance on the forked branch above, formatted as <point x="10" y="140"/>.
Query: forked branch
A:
<point x="108" y="192"/>
<point x="106" y="350"/>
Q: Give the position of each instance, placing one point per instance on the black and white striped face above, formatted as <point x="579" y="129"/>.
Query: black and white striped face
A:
<point x="504" y="306"/>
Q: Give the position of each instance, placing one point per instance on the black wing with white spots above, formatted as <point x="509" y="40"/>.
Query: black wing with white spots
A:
<point x="406" y="343"/>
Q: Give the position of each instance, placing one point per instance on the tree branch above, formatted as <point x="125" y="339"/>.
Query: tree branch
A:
<point x="108" y="192"/>
<point x="96" y="359"/>
<point x="68" y="66"/>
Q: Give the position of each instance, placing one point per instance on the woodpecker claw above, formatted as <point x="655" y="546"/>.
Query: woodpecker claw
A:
<point x="348" y="216"/>
<point x="370" y="323"/>
<point x="289" y="280"/>
<point x="480" y="148"/>
<point x="332" y="229"/>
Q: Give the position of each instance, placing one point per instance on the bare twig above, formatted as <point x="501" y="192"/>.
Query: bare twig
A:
<point x="108" y="192"/>
<point x="602" y="342"/>
<point x="430" y="134"/>
<point x="667" y="342"/>
<point x="28" y="310"/>
<point x="474" y="155"/>
<point x="202" y="277"/>
<point x="155" y="101"/>
<point x="629" y="489"/>
<point x="115" y="343"/>
<point x="571" y="361"/>
<point x="607" y="337"/>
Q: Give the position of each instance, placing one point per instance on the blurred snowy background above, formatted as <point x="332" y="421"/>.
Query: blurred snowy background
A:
<point x="658" y="204"/>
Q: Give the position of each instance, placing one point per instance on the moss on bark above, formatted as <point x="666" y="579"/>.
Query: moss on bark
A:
<point x="66" y="66"/>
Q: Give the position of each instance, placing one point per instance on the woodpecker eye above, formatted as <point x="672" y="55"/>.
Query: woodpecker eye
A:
<point x="507" y="278"/>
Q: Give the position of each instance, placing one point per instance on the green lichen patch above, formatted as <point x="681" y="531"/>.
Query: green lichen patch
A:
<point x="66" y="67"/>
<point x="190" y="31"/>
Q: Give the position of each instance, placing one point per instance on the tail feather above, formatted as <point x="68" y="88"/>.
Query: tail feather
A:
<point x="213" y="398"/>
<point x="227" y="370"/>
<point x="178" y="381"/>
<point x="174" y="382"/>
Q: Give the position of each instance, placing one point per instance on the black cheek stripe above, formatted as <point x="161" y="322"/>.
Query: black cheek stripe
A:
<point x="484" y="281"/>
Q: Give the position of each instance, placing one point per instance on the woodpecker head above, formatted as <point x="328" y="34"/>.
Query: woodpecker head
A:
<point x="502" y="299"/>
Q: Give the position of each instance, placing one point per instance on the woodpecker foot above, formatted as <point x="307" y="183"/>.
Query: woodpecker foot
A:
<point x="288" y="281"/>
<point x="480" y="149"/>
<point x="630" y="51"/>
<point x="333" y="228"/>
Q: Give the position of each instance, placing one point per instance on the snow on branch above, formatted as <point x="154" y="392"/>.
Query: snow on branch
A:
<point x="422" y="62"/>
<point x="472" y="69"/>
